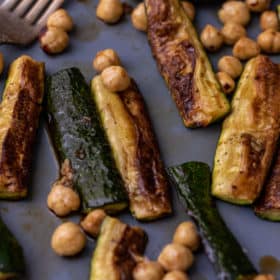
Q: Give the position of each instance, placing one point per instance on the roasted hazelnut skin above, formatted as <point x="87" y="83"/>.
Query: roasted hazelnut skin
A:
<point x="269" y="20"/>
<point x="115" y="78"/>
<point x="68" y="239"/>
<point x="175" y="275"/>
<point x="211" y="38"/>
<point x="189" y="9"/>
<point x="258" y="5"/>
<point x="245" y="48"/>
<point x="60" y="19"/>
<point x="231" y="65"/>
<point x="139" y="17"/>
<point x="92" y="222"/>
<point x="186" y="234"/>
<point x="53" y="40"/>
<point x="235" y="11"/>
<point x="232" y="32"/>
<point x="176" y="257"/>
<point x="63" y="200"/>
<point x="1" y="63"/>
<point x="269" y="41"/>
<point x="110" y="11"/>
<point x="104" y="59"/>
<point x="226" y="82"/>
<point x="148" y="270"/>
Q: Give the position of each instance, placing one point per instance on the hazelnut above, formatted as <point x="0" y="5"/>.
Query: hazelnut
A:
<point x="110" y="11"/>
<point x="258" y="5"/>
<point x="235" y="11"/>
<point x="232" y="32"/>
<point x="231" y="65"/>
<point x="226" y="82"/>
<point x="104" y="59"/>
<point x="211" y="38"/>
<point x="68" y="239"/>
<point x="269" y="41"/>
<point x="115" y="78"/>
<point x="139" y="17"/>
<point x="60" y="19"/>
<point x="269" y="20"/>
<point x="53" y="40"/>
<point x="245" y="48"/>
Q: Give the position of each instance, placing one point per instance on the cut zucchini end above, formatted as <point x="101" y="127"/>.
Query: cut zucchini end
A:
<point x="12" y="196"/>
<point x="268" y="214"/>
<point x="115" y="208"/>
<point x="109" y="208"/>
<point x="7" y="275"/>
<point x="147" y="217"/>
<point x="231" y="199"/>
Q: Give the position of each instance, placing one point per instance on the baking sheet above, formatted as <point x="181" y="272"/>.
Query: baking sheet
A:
<point x="31" y="221"/>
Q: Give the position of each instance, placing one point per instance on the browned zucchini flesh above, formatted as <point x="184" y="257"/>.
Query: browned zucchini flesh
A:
<point x="249" y="134"/>
<point x="268" y="205"/>
<point x="184" y="65"/>
<point x="19" y="118"/>
<point x="117" y="246"/>
<point x="129" y="131"/>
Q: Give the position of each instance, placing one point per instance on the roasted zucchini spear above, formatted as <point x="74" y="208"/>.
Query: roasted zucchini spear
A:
<point x="192" y="181"/>
<point x="128" y="128"/>
<point x="11" y="255"/>
<point x="184" y="65"/>
<point x="268" y="205"/>
<point x="77" y="134"/>
<point x="249" y="134"/>
<point x="19" y="118"/>
<point x="117" y="246"/>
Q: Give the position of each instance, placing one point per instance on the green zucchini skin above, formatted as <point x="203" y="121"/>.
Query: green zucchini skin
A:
<point x="76" y="132"/>
<point x="192" y="181"/>
<point x="11" y="255"/>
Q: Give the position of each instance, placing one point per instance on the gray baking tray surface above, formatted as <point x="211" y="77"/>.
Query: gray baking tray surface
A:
<point x="31" y="221"/>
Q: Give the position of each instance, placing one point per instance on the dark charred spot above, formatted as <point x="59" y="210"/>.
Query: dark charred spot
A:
<point x="80" y="154"/>
<point x="226" y="86"/>
<point x="132" y="243"/>
<point x="152" y="181"/>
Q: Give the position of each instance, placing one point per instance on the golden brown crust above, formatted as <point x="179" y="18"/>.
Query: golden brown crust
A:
<point x="152" y="192"/>
<point x="270" y="198"/>
<point x="20" y="110"/>
<point x="249" y="135"/>
<point x="182" y="62"/>
<point x="176" y="59"/>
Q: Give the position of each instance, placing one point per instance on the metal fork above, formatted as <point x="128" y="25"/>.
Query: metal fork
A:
<point x="22" y="20"/>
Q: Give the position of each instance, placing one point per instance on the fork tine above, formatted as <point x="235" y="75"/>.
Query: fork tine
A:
<point x="36" y="10"/>
<point x="52" y="7"/>
<point x="22" y="7"/>
<point x="8" y="4"/>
